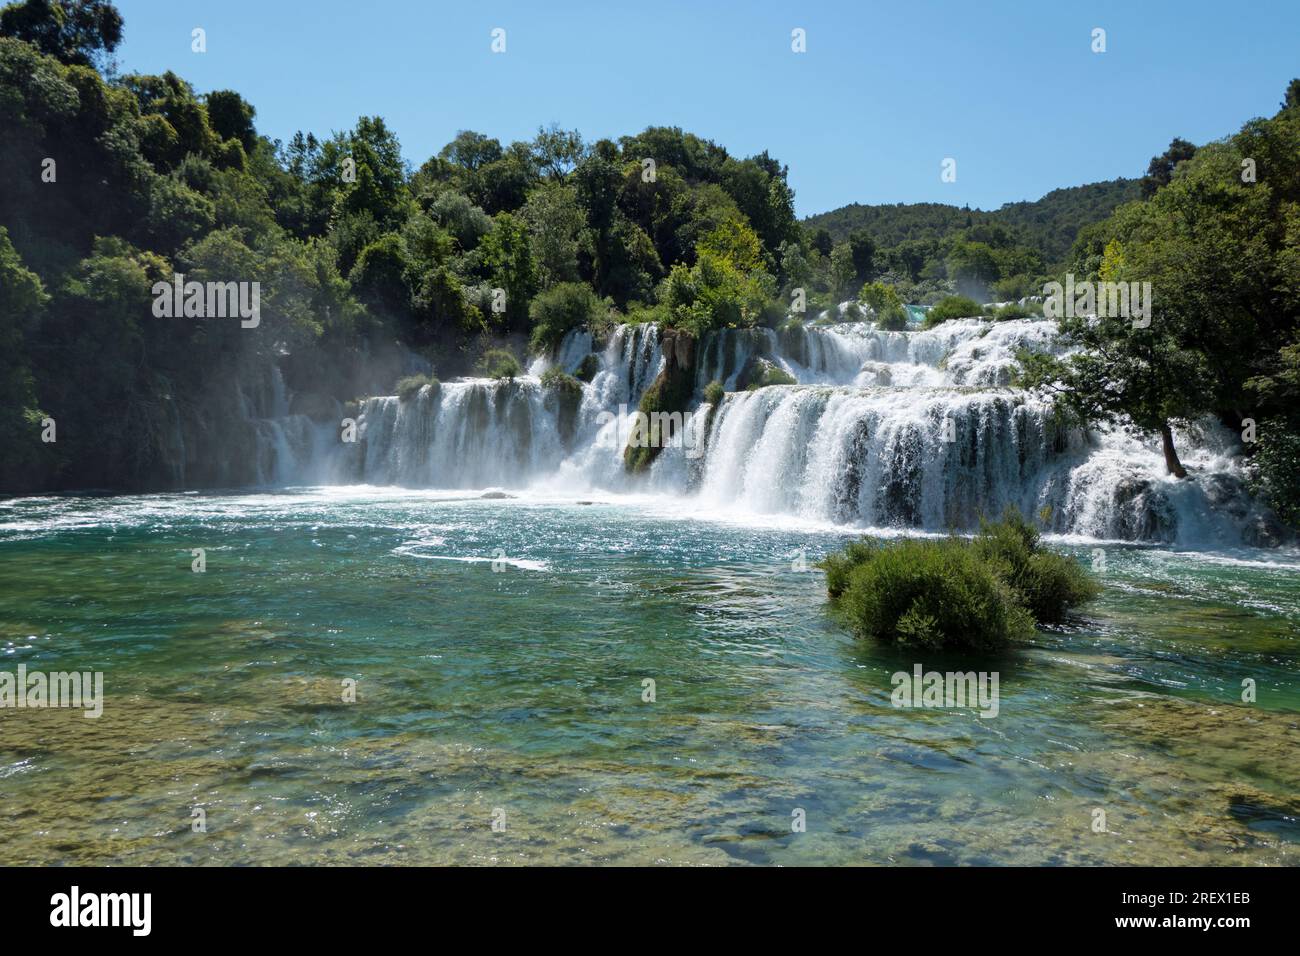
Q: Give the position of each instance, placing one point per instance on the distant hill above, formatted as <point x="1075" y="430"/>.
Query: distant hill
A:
<point x="1048" y="224"/>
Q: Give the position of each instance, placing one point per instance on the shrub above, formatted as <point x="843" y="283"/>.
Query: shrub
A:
<point x="555" y="378"/>
<point x="713" y="393"/>
<point x="1014" y="310"/>
<point x="560" y="309"/>
<point x="498" y="363"/>
<point x="893" y="319"/>
<point x="771" y="375"/>
<point x="885" y="301"/>
<point x="930" y="595"/>
<point x="408" y="387"/>
<point x="587" y="369"/>
<point x="1047" y="584"/>
<point x="951" y="307"/>
<point x="838" y="566"/>
<point x="956" y="593"/>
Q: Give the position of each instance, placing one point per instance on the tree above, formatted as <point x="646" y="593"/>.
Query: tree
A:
<point x="863" y="250"/>
<point x="885" y="301"/>
<point x="822" y="242"/>
<point x="559" y="310"/>
<point x="842" y="271"/>
<point x="558" y="232"/>
<point x="557" y="151"/>
<point x="508" y="262"/>
<point x="80" y="32"/>
<point x="1161" y="168"/>
<point x="466" y="222"/>
<point x="232" y="117"/>
<point x="379" y="276"/>
<point x="1214" y="250"/>
<point x="471" y="150"/>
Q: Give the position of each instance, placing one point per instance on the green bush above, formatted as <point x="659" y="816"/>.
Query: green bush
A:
<point x="498" y="363"/>
<point x="885" y="301"/>
<point x="838" y="566"/>
<point x="560" y="309"/>
<point x="713" y="393"/>
<point x="893" y="319"/>
<point x="955" y="593"/>
<point x="1046" y="583"/>
<point x="587" y="369"/>
<point x="772" y="375"/>
<point x="555" y="378"/>
<point x="931" y="595"/>
<point x="952" y="307"/>
<point x="1013" y="310"/>
<point x="408" y="387"/>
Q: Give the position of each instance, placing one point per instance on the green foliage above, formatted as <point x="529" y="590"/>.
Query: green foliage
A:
<point x="953" y="593"/>
<point x="231" y="117"/>
<point x="82" y="32"/>
<point x="715" y="293"/>
<point x="22" y="300"/>
<point x="839" y="564"/>
<point x="1014" y="310"/>
<point x="952" y="307"/>
<point x="555" y="379"/>
<point x="466" y="222"/>
<point x="771" y="375"/>
<point x="1220" y="253"/>
<point x="499" y="363"/>
<point x="558" y="232"/>
<point x="379" y="276"/>
<point x="507" y="261"/>
<point x="1160" y="171"/>
<point x="408" y="387"/>
<point x="1275" y="469"/>
<point x="902" y="230"/>
<point x="885" y="301"/>
<point x="559" y="310"/>
<point x="929" y="595"/>
<point x="1049" y="585"/>
<point x="714" y="393"/>
<point x="587" y="369"/>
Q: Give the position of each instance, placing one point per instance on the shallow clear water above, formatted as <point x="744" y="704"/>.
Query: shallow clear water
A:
<point x="517" y="687"/>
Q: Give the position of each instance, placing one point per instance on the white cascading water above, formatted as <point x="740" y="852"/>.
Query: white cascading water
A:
<point x="916" y="429"/>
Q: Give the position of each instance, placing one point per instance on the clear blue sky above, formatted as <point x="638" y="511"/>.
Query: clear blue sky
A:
<point x="885" y="91"/>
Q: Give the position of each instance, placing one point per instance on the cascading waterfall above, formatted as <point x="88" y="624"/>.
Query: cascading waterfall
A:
<point x="913" y="430"/>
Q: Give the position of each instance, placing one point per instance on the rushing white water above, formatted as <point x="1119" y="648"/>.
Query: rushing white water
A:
<point x="916" y="429"/>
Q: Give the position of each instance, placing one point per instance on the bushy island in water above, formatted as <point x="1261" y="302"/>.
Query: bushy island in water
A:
<point x="957" y="593"/>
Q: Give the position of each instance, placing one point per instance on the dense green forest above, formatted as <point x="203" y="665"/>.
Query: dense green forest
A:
<point x="934" y="249"/>
<point x="117" y="182"/>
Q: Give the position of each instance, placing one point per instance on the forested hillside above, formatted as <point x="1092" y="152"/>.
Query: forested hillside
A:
<point x="1000" y="252"/>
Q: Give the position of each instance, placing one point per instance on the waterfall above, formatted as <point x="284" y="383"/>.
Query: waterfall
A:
<point x="913" y="430"/>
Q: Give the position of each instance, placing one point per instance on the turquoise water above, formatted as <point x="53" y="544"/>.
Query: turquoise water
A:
<point x="514" y="691"/>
